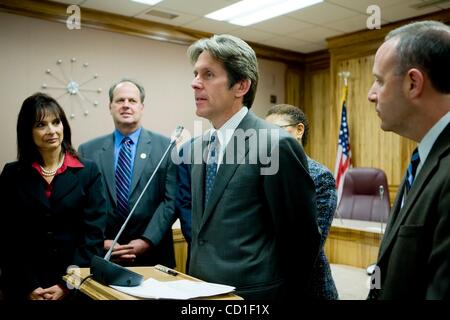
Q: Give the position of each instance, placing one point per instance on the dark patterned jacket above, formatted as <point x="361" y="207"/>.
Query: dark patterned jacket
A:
<point x="322" y="284"/>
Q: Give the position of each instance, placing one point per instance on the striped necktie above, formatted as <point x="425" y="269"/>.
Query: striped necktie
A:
<point x="412" y="168"/>
<point x="410" y="174"/>
<point x="211" y="167"/>
<point x="123" y="176"/>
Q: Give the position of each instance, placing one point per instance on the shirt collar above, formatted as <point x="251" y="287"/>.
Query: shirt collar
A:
<point x="430" y="138"/>
<point x="134" y="136"/>
<point x="225" y="132"/>
<point x="69" y="162"/>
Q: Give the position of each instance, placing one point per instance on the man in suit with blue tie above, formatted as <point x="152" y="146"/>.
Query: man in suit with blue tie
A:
<point x="246" y="218"/>
<point x="412" y="96"/>
<point x="127" y="158"/>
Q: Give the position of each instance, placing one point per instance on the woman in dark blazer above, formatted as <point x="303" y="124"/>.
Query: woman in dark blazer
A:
<point x="56" y="205"/>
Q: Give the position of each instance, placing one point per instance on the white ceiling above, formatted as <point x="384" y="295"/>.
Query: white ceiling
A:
<point x="301" y="31"/>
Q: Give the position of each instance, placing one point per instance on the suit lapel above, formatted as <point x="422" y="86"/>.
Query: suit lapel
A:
<point x="144" y="147"/>
<point x="106" y="160"/>
<point x="420" y="183"/>
<point x="64" y="184"/>
<point x="228" y="166"/>
<point x="224" y="174"/>
<point x="35" y="187"/>
<point x="198" y="172"/>
<point x="396" y="207"/>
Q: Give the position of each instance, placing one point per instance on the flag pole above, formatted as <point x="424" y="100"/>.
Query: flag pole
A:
<point x="345" y="75"/>
<point x="343" y="143"/>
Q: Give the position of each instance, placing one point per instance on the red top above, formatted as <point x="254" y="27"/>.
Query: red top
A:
<point x="69" y="161"/>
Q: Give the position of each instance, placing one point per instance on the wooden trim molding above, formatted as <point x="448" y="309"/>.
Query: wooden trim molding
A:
<point x="317" y="60"/>
<point x="367" y="41"/>
<point x="56" y="12"/>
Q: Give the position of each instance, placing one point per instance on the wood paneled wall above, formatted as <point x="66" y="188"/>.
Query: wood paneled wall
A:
<point x="318" y="109"/>
<point x="371" y="146"/>
<point x="294" y="86"/>
<point x="312" y="82"/>
<point x="322" y="103"/>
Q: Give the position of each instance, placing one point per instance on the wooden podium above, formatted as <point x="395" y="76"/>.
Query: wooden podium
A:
<point x="354" y="242"/>
<point x="98" y="291"/>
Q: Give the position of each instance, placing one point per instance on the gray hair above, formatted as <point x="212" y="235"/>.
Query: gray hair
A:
<point x="238" y="58"/>
<point x="424" y="45"/>
<point x="138" y="85"/>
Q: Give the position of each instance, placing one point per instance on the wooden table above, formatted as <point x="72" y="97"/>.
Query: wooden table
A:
<point x="98" y="291"/>
<point x="354" y="242"/>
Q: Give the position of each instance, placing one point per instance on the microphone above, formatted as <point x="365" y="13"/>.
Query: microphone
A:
<point x="381" y="192"/>
<point x="110" y="273"/>
<point x="176" y="134"/>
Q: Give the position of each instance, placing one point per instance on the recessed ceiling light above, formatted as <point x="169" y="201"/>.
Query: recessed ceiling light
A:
<point x="149" y="2"/>
<point x="162" y="14"/>
<point x="248" y="12"/>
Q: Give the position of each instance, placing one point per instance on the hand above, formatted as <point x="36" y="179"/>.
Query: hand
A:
<point x="37" y="294"/>
<point x="108" y="243"/>
<point x="128" y="252"/>
<point x="140" y="246"/>
<point x="120" y="253"/>
<point x="56" y="292"/>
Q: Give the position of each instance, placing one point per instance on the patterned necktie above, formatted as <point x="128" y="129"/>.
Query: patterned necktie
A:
<point x="412" y="168"/>
<point x="123" y="176"/>
<point x="211" y="166"/>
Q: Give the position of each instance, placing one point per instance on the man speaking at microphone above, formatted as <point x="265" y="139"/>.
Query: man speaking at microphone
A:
<point x="246" y="217"/>
<point x="127" y="158"/>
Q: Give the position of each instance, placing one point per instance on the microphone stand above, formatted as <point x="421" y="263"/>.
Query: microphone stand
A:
<point x="381" y="192"/>
<point x="109" y="273"/>
<point x="338" y="213"/>
<point x="371" y="269"/>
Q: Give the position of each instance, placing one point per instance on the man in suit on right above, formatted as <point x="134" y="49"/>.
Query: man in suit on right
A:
<point x="247" y="213"/>
<point x="412" y="96"/>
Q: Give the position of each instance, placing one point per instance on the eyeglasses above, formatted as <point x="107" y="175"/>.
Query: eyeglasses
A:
<point x="289" y="125"/>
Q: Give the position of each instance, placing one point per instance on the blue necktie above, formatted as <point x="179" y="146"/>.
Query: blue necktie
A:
<point x="412" y="168"/>
<point x="123" y="176"/>
<point x="211" y="166"/>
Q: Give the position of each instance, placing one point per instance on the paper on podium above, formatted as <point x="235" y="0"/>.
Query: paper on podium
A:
<point x="178" y="289"/>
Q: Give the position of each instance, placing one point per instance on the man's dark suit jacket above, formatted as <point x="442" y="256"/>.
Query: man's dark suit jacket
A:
<point x="245" y="235"/>
<point x="41" y="237"/>
<point x="154" y="215"/>
<point x="414" y="257"/>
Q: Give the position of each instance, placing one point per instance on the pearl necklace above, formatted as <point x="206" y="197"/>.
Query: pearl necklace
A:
<point x="51" y="173"/>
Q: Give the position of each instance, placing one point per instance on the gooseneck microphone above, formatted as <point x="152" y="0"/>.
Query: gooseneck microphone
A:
<point x="110" y="273"/>
<point x="381" y="192"/>
<point x="371" y="269"/>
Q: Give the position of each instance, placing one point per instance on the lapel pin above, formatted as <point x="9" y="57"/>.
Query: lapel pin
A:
<point x="143" y="156"/>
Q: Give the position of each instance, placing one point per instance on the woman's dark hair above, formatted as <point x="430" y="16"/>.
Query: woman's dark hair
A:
<point x="295" y="116"/>
<point x="36" y="108"/>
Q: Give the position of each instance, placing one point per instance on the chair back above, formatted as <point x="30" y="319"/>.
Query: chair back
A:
<point x="361" y="195"/>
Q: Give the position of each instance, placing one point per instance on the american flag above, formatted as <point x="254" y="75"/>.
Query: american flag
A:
<point x="344" y="154"/>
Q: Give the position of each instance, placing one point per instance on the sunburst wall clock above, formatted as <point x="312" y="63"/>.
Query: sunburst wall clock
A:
<point x="71" y="84"/>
